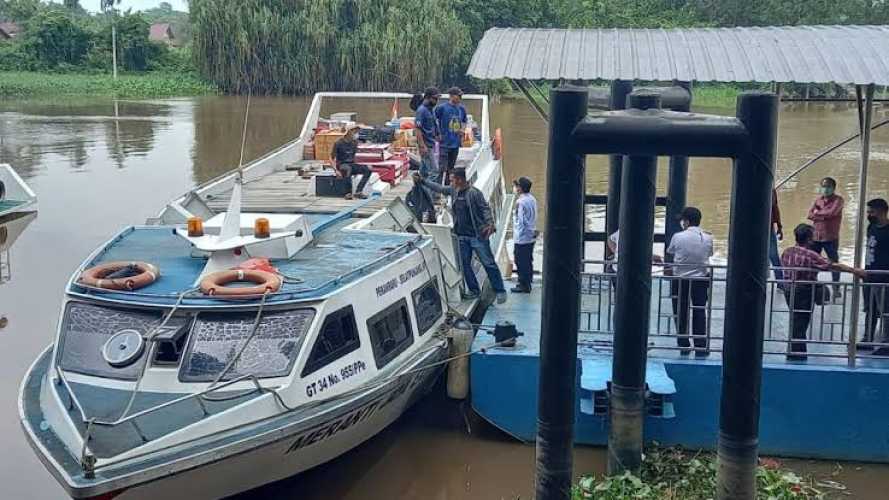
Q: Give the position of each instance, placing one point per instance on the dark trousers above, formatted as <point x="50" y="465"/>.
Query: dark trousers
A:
<point x="447" y="159"/>
<point x="482" y="249"/>
<point x="687" y="292"/>
<point x="800" y="300"/>
<point x="350" y="169"/>
<point x="876" y="304"/>
<point x="524" y="262"/>
<point x="831" y="248"/>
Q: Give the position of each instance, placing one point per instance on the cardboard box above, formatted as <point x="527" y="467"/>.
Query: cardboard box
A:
<point x="324" y="142"/>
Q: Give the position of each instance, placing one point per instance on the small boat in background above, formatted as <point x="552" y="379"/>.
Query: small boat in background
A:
<point x="15" y="195"/>
<point x="171" y="376"/>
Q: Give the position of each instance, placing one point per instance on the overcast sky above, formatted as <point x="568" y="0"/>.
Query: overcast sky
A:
<point x="93" y="5"/>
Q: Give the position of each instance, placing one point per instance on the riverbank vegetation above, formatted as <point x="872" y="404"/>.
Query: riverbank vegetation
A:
<point x="300" y="46"/>
<point x="64" y="50"/>
<point x="670" y="473"/>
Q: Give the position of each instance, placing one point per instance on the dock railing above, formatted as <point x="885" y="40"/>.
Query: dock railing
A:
<point x="819" y="312"/>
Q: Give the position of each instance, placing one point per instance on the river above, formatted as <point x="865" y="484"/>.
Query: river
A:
<point x="97" y="167"/>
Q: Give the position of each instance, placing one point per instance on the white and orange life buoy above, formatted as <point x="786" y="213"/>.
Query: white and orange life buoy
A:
<point x="100" y="276"/>
<point x="497" y="144"/>
<point x="215" y="284"/>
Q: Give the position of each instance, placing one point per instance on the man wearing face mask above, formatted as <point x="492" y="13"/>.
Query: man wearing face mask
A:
<point x="427" y="129"/>
<point x="691" y="249"/>
<point x="525" y="233"/>
<point x="876" y="295"/>
<point x="826" y="215"/>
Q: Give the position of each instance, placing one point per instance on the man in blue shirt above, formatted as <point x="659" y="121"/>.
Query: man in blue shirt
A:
<point x="451" y="116"/>
<point x="524" y="233"/>
<point x="427" y="131"/>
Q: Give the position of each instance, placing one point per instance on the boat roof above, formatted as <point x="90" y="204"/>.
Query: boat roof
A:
<point x="335" y="258"/>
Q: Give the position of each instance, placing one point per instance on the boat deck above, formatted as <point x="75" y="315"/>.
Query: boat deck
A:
<point x="801" y="401"/>
<point x="289" y="191"/>
<point x="334" y="259"/>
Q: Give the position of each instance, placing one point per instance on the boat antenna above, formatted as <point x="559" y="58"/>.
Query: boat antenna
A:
<point x="244" y="135"/>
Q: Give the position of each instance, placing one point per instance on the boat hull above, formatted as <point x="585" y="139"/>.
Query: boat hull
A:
<point x="240" y="464"/>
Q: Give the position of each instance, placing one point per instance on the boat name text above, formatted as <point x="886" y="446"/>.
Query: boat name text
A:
<point x="400" y="280"/>
<point x="328" y="429"/>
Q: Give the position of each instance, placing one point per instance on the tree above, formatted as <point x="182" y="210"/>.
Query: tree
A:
<point x="72" y="4"/>
<point x="165" y="7"/>
<point x="18" y="10"/>
<point x="54" y="37"/>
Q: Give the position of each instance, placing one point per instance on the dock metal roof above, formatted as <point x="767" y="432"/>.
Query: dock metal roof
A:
<point x="802" y="54"/>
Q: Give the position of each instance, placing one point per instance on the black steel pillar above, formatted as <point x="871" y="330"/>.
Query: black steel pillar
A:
<point x="620" y="89"/>
<point x="632" y="302"/>
<point x="561" y="296"/>
<point x="745" y="299"/>
<point x="677" y="185"/>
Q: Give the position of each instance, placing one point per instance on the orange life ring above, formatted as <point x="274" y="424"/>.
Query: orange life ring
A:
<point x="497" y="144"/>
<point x="214" y="284"/>
<point x="97" y="276"/>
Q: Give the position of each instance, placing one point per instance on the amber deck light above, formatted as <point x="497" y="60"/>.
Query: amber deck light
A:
<point x="261" y="228"/>
<point x="195" y="227"/>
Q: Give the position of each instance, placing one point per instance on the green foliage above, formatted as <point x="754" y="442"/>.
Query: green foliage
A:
<point x="19" y="10"/>
<point x="56" y="38"/>
<point x="179" y="21"/>
<point x="156" y="84"/>
<point x="301" y="46"/>
<point x="673" y="474"/>
<point x="134" y="50"/>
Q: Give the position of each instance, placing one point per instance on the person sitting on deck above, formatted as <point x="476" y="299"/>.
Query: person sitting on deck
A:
<point x="343" y="158"/>
<point x="801" y="291"/>
<point x="826" y="215"/>
<point x="691" y="249"/>
<point x="876" y="263"/>
<point x="473" y="225"/>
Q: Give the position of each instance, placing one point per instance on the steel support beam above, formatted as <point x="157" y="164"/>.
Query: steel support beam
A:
<point x="560" y="316"/>
<point x="745" y="300"/>
<point x="632" y="304"/>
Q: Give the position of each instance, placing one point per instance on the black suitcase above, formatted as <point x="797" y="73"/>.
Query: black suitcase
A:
<point x="331" y="185"/>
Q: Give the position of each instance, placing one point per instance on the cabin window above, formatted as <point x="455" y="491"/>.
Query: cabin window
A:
<point x="87" y="328"/>
<point x="427" y="306"/>
<point x="338" y="337"/>
<point x="390" y="332"/>
<point x="217" y="338"/>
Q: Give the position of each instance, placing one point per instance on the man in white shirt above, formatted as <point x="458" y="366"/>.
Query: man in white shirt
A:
<point x="691" y="250"/>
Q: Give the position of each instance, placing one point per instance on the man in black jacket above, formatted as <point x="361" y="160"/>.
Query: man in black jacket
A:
<point x="473" y="225"/>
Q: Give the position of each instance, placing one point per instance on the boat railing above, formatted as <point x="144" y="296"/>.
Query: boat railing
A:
<point x="821" y="313"/>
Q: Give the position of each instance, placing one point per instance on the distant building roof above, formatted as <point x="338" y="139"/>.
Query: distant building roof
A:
<point x="9" y="30"/>
<point x="801" y="54"/>
<point x="160" y="32"/>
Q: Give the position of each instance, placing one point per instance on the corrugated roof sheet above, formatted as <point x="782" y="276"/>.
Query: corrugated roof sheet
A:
<point x="802" y="54"/>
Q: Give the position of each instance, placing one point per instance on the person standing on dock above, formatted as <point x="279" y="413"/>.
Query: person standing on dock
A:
<point x="691" y="249"/>
<point x="800" y="292"/>
<point x="343" y="158"/>
<point x="776" y="236"/>
<point x="473" y="225"/>
<point x="427" y="128"/>
<point x="525" y="229"/>
<point x="876" y="263"/>
<point x="451" y="116"/>
<point x="826" y="215"/>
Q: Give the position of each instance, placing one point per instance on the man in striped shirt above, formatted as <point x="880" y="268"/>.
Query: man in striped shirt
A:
<point x="804" y="265"/>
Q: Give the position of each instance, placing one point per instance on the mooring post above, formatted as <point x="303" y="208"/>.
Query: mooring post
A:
<point x="620" y="89"/>
<point x="677" y="185"/>
<point x="632" y="302"/>
<point x="745" y="299"/>
<point x="560" y="314"/>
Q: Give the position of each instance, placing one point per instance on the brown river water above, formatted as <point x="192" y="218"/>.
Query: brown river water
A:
<point x="95" y="173"/>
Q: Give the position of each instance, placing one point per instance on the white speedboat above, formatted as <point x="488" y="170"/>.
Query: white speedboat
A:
<point x="167" y="381"/>
<point x="15" y="195"/>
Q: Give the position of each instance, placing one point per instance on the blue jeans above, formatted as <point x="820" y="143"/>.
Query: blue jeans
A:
<point x="429" y="166"/>
<point x="774" y="258"/>
<point x="482" y="249"/>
